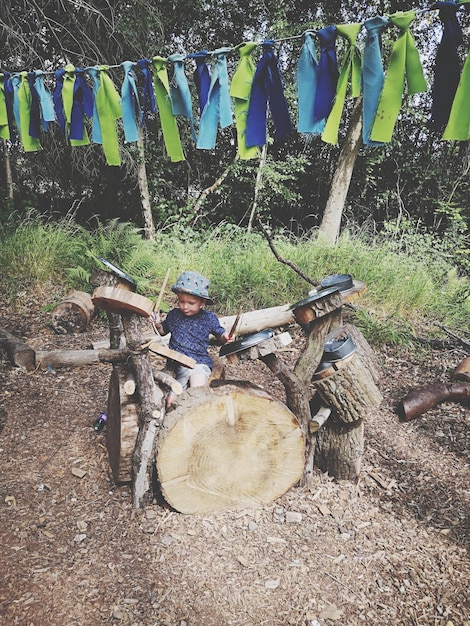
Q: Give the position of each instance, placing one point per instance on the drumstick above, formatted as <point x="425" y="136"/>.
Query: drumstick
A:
<point x="235" y="324"/>
<point x="156" y="306"/>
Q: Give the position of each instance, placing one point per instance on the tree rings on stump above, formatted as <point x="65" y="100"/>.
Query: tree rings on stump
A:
<point x="229" y="446"/>
<point x="122" y="426"/>
<point x="73" y="314"/>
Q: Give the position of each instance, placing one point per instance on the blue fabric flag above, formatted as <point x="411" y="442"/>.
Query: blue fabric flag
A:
<point x="218" y="107"/>
<point x="149" y="104"/>
<point x="181" y="103"/>
<point x="202" y="77"/>
<point x="447" y="63"/>
<point x="328" y="72"/>
<point x="267" y="89"/>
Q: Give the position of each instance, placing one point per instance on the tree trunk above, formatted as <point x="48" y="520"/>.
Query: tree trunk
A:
<point x="8" y="173"/>
<point x="80" y="358"/>
<point x="149" y="226"/>
<point x="258" y="185"/>
<point x="228" y="446"/>
<point x="331" y="222"/>
<point x="340" y="448"/>
<point x="122" y="426"/>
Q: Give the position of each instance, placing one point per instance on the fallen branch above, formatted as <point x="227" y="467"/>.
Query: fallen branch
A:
<point x="462" y="342"/>
<point x="290" y="264"/>
<point x="418" y="401"/>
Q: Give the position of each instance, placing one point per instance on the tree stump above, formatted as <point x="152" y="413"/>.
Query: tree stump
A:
<point x="122" y="425"/>
<point x="19" y="353"/>
<point x="228" y="446"/>
<point x="73" y="314"/>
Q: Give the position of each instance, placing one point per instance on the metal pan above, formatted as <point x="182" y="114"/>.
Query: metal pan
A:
<point x="338" y="349"/>
<point x="116" y="270"/>
<point x="246" y="342"/>
<point x="343" y="282"/>
<point x="313" y="297"/>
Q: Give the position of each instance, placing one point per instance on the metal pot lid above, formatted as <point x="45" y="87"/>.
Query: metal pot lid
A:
<point x="343" y="282"/>
<point x="314" y="296"/>
<point x="246" y="342"/>
<point x="338" y="349"/>
<point x="117" y="271"/>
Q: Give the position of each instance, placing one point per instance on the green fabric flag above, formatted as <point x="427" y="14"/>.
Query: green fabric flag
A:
<point x="30" y="144"/>
<point x="404" y="62"/>
<point x="4" y="128"/>
<point x="240" y="90"/>
<point x="67" y="99"/>
<point x="108" y="106"/>
<point x="351" y="66"/>
<point x="458" y="126"/>
<point x="170" y="130"/>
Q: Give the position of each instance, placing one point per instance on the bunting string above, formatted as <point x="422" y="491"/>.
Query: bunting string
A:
<point x="84" y="99"/>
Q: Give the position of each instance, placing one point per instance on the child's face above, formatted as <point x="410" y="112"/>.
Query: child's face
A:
<point x="189" y="304"/>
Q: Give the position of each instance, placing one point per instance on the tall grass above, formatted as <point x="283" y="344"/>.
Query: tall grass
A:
<point x="402" y="291"/>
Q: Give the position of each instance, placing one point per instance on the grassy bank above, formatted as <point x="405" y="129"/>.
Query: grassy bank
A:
<point x="404" y="289"/>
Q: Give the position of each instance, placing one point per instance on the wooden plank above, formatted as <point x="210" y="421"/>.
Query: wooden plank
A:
<point x="163" y="350"/>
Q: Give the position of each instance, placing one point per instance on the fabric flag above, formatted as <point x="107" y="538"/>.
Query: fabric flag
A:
<point x="404" y="62"/>
<point x="181" y="102"/>
<point x="350" y="67"/>
<point x="75" y="97"/>
<point x="373" y="76"/>
<point x="22" y="100"/>
<point x="267" y="89"/>
<point x="218" y="109"/>
<point x="58" y="99"/>
<point x="447" y="64"/>
<point x="201" y="76"/>
<point x="458" y="126"/>
<point x="162" y="94"/>
<point x="6" y="107"/>
<point x="307" y="82"/>
<point x="148" y="94"/>
<point x="327" y="72"/>
<point x="240" y="90"/>
<point x="108" y="110"/>
<point x="130" y="104"/>
<point x="45" y="102"/>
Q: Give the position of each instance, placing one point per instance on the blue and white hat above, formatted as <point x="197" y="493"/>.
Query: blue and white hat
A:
<point x="194" y="284"/>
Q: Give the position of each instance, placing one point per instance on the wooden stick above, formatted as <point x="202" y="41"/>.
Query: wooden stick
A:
<point x="160" y="295"/>
<point x="235" y="324"/>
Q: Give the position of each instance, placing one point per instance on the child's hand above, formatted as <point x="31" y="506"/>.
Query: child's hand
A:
<point x="155" y="317"/>
<point x="226" y="338"/>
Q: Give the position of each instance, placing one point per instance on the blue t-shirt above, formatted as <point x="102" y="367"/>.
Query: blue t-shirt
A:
<point x="190" y="335"/>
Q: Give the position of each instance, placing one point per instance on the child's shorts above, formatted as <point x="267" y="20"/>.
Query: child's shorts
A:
<point x="183" y="374"/>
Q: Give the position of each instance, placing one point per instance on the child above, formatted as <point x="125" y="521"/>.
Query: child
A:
<point x="190" y="326"/>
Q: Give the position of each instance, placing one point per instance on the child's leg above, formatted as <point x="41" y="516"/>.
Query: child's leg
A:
<point x="200" y="376"/>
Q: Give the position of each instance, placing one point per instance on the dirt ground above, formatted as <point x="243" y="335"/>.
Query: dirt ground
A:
<point x="388" y="549"/>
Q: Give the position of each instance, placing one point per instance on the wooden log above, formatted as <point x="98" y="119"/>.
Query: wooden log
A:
<point x="167" y="380"/>
<point x="350" y="391"/>
<point x="18" y="352"/>
<point x="118" y="300"/>
<point x="340" y="448"/>
<point x="319" y="419"/>
<point x="151" y="413"/>
<point x="255" y="321"/>
<point x="73" y="314"/>
<point x="122" y="426"/>
<point x="462" y="371"/>
<point x="79" y="358"/>
<point x="420" y="400"/>
<point x="232" y="445"/>
<point x="129" y="384"/>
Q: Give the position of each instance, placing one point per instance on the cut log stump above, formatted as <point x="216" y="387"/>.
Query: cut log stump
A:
<point x="73" y="314"/>
<point x="229" y="446"/>
<point x="122" y="425"/>
<point x="19" y="353"/>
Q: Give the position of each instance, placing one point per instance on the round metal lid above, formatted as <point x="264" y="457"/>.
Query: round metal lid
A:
<point x="343" y="282"/>
<point x="117" y="271"/>
<point x="314" y="296"/>
<point x="338" y="349"/>
<point x="246" y="342"/>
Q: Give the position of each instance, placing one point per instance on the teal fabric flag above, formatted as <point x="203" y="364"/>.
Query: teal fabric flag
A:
<point x="307" y="84"/>
<point x="404" y="64"/>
